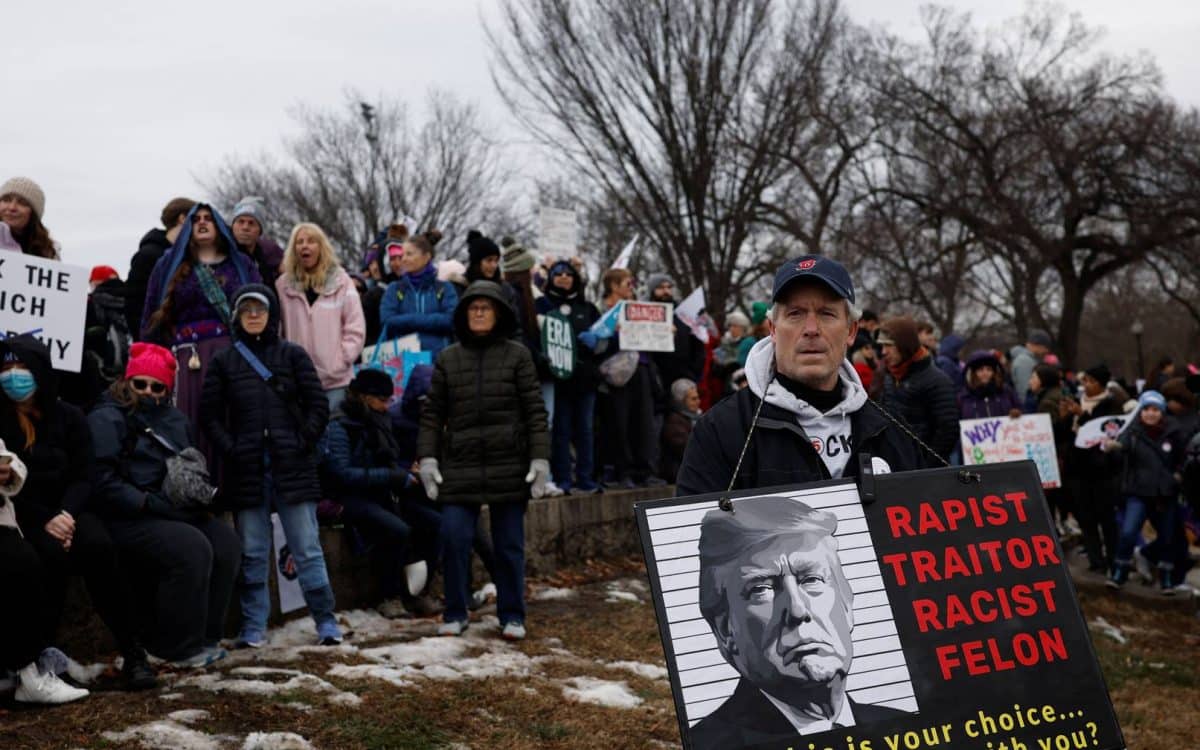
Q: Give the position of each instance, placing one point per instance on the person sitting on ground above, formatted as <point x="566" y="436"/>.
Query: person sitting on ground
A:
<point x="51" y="438"/>
<point x="484" y="440"/>
<point x="264" y="411"/>
<point x="1154" y="453"/>
<point x="22" y="206"/>
<point x="320" y="308"/>
<point x="362" y="457"/>
<point x="417" y="302"/>
<point x="24" y="647"/>
<point x="677" y="426"/>
<point x="165" y="530"/>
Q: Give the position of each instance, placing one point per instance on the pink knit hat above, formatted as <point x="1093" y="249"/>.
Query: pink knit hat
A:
<point x="153" y="361"/>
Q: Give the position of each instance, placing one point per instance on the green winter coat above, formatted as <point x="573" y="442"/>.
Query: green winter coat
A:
<point x="484" y="419"/>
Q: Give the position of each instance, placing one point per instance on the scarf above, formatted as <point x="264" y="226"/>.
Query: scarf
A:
<point x="1089" y="403"/>
<point x="424" y="277"/>
<point x="901" y="370"/>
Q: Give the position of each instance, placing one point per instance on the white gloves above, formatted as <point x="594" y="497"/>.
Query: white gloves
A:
<point x="430" y="477"/>
<point x="539" y="472"/>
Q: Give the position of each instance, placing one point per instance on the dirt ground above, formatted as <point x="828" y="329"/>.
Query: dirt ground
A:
<point x="592" y="638"/>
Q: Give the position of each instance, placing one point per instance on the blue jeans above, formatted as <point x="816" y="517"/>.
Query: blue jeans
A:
<point x="304" y="540"/>
<point x="573" y="418"/>
<point x="508" y="537"/>
<point x="548" y="398"/>
<point x="1163" y="513"/>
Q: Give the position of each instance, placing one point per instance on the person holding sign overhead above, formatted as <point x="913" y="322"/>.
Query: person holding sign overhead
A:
<point x="804" y="415"/>
<point x="187" y="306"/>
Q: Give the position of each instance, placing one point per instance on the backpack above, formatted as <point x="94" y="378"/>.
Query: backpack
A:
<point x="107" y="338"/>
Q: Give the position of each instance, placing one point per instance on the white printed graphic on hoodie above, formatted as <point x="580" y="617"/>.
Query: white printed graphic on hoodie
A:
<point x="830" y="432"/>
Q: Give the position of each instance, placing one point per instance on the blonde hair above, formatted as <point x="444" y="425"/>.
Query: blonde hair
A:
<point x="326" y="264"/>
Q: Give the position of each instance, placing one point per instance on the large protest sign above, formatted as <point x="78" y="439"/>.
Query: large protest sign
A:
<point x="558" y="344"/>
<point x="558" y="232"/>
<point x="647" y="327"/>
<point x="939" y="614"/>
<point x="49" y="300"/>
<point x="995" y="440"/>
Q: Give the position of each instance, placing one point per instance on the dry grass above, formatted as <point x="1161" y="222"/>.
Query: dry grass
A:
<point x="1155" y="682"/>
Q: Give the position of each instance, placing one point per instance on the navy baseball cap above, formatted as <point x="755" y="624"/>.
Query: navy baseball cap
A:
<point x="833" y="274"/>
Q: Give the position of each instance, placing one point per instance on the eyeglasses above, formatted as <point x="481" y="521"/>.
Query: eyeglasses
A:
<point x="141" y="384"/>
<point x="252" y="309"/>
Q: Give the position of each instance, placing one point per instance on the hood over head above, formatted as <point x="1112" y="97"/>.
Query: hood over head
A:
<point x="178" y="251"/>
<point x="557" y="294"/>
<point x="35" y="355"/>
<point x="506" y="317"/>
<point x="983" y="357"/>
<point x="760" y="377"/>
<point x="264" y="294"/>
<point x="951" y="345"/>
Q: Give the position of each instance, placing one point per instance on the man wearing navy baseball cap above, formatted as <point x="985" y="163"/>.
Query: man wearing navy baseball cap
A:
<point x="805" y="415"/>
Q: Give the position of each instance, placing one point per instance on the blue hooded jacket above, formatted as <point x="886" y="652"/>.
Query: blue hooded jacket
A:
<point x="426" y="310"/>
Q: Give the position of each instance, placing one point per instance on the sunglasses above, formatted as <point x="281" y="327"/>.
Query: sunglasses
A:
<point x="141" y="384"/>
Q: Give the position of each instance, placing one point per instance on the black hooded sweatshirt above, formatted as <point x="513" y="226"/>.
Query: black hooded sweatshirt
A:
<point x="585" y="378"/>
<point x="60" y="459"/>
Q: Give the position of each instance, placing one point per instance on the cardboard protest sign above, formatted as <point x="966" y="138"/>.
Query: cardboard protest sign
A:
<point x="1095" y="431"/>
<point x="940" y="614"/>
<point x="558" y="232"/>
<point x="558" y="344"/>
<point x="998" y="439"/>
<point x="49" y="300"/>
<point x="647" y="327"/>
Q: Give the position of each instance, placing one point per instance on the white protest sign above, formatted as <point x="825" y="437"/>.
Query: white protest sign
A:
<point x="997" y="439"/>
<point x="392" y="348"/>
<point x="647" y="327"/>
<point x="626" y="257"/>
<point x="1095" y="431"/>
<point x="690" y="310"/>
<point x="287" y="576"/>
<point x="49" y="300"/>
<point x="558" y="232"/>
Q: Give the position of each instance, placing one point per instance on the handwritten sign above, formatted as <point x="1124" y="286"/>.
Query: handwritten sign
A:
<point x="558" y="232"/>
<point x="647" y="327"/>
<point x="995" y="440"/>
<point x="49" y="300"/>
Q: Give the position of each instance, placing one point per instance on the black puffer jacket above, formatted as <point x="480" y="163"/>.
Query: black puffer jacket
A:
<point x="245" y="417"/>
<point x="484" y="419"/>
<point x="1151" y="461"/>
<point x="152" y="247"/>
<point x="926" y="400"/>
<point x="780" y="452"/>
<point x="124" y="477"/>
<point x="60" y="459"/>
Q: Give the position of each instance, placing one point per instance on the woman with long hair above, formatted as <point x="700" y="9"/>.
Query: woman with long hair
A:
<point x="320" y="308"/>
<point x="189" y="556"/>
<point x="188" y="307"/>
<point x="22" y="204"/>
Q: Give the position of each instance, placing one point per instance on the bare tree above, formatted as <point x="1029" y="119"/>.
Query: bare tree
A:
<point x="1070" y="165"/>
<point x="356" y="169"/>
<point x="678" y="112"/>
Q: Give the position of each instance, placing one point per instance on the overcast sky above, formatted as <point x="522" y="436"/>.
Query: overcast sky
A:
<point x="116" y="107"/>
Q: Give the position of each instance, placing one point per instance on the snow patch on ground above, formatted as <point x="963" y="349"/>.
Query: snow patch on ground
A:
<point x="600" y="692"/>
<point x="649" y="671"/>
<point x="399" y="677"/>
<point x="188" y="716"/>
<point x="217" y="683"/>
<point x="171" y="697"/>
<point x="624" y="590"/>
<point x="552" y="594"/>
<point x="166" y="735"/>
<point x="275" y="741"/>
<point x="621" y="596"/>
<point x="1110" y="630"/>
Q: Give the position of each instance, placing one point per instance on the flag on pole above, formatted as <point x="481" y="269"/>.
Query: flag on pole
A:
<point x="606" y="326"/>
<point x="626" y="257"/>
<point x="691" y="312"/>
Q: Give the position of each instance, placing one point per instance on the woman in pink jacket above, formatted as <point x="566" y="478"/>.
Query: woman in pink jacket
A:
<point x="321" y="308"/>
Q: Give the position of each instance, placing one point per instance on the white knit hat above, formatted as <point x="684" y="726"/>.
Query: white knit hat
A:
<point x="27" y="189"/>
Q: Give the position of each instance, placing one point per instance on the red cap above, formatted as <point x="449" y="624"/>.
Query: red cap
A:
<point x="103" y="273"/>
<point x="153" y="361"/>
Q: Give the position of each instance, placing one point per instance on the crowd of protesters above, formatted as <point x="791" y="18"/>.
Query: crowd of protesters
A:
<point x="222" y="381"/>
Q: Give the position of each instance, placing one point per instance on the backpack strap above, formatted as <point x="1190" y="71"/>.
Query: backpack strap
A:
<point x="272" y="382"/>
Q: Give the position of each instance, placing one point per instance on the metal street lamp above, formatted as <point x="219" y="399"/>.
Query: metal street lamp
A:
<point x="1137" y="329"/>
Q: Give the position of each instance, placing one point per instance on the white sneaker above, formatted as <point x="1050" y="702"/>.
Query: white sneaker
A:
<point x="1143" y="567"/>
<point x="480" y="597"/>
<point x="453" y="628"/>
<point x="513" y="631"/>
<point x="36" y="687"/>
<point x="416" y="575"/>
<point x="553" y="490"/>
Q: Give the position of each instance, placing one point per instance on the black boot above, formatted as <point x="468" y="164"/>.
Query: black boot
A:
<point x="137" y="674"/>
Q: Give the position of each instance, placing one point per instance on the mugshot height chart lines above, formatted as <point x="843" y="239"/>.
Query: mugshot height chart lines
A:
<point x="878" y="673"/>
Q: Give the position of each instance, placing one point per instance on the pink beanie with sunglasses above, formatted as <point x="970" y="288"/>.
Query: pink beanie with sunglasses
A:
<point x="151" y="361"/>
